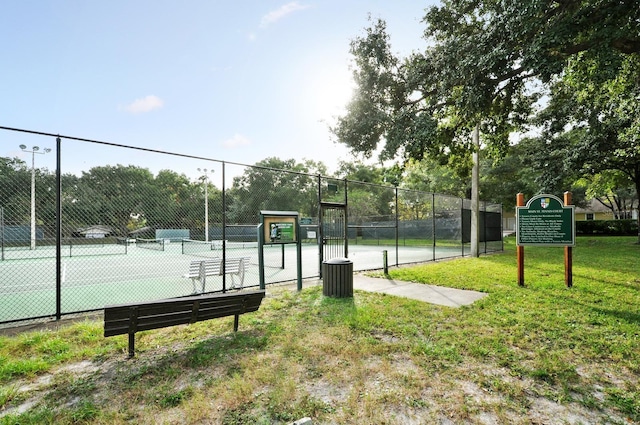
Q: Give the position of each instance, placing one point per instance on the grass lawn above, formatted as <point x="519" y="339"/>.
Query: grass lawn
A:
<point x="542" y="354"/>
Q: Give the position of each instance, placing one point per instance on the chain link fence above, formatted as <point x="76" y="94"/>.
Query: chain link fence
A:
<point x="74" y="238"/>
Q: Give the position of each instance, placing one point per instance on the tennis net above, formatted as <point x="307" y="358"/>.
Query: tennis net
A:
<point x="190" y="247"/>
<point x="154" y="244"/>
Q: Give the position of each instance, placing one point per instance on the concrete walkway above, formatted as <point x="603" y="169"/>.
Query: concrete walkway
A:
<point x="439" y="295"/>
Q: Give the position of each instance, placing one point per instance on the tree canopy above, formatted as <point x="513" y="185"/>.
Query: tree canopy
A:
<point x="495" y="64"/>
<point x="484" y="62"/>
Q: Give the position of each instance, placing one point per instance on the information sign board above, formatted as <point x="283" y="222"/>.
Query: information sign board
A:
<point x="280" y="226"/>
<point x="545" y="221"/>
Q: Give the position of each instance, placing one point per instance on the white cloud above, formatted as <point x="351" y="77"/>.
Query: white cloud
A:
<point x="284" y="10"/>
<point x="236" y="141"/>
<point x="145" y="104"/>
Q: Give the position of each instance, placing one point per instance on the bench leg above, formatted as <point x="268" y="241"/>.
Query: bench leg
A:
<point x="241" y="273"/>
<point x="132" y="343"/>
<point x="203" y="275"/>
<point x="241" y="276"/>
<point x="193" y="281"/>
<point x="236" y="319"/>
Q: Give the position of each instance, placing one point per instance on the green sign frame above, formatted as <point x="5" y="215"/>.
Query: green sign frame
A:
<point x="545" y="221"/>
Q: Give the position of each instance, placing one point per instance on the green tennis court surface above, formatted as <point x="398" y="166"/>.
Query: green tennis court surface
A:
<point x="106" y="275"/>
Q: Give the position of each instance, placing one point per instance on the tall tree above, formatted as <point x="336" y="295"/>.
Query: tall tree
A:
<point x="118" y="193"/>
<point x="598" y="101"/>
<point x="14" y="190"/>
<point x="180" y="202"/>
<point x="504" y="177"/>
<point x="485" y="63"/>
<point x="611" y="189"/>
<point x="429" y="175"/>
<point x="274" y="184"/>
<point x="369" y="197"/>
<point x="15" y="195"/>
<point x="361" y="172"/>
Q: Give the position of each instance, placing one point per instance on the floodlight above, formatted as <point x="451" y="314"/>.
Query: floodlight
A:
<point x="34" y="150"/>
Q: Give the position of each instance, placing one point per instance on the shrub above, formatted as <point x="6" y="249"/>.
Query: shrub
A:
<point x="607" y="227"/>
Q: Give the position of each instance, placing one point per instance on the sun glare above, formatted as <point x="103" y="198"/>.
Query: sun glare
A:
<point x="330" y="91"/>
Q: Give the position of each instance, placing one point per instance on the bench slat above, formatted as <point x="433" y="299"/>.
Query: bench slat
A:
<point x="118" y="319"/>
<point x="185" y="315"/>
<point x="209" y="298"/>
<point x="164" y="308"/>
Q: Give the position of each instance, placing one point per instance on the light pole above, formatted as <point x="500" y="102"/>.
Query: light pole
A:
<point x="205" y="180"/>
<point x="34" y="150"/>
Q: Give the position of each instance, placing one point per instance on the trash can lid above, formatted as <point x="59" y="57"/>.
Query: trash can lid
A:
<point x="338" y="260"/>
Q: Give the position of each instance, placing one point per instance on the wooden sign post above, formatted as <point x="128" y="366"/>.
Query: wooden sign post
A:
<point x="545" y="221"/>
<point x="520" y="248"/>
<point x="568" y="252"/>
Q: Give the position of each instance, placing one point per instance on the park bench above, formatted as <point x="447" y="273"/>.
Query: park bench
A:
<point x="200" y="269"/>
<point x="136" y="317"/>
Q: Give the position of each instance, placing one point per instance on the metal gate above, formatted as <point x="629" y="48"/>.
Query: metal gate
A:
<point x="333" y="231"/>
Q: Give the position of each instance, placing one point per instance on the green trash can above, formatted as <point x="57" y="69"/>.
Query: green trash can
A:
<point x="337" y="278"/>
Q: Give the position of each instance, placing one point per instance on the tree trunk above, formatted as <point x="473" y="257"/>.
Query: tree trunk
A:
<point x="475" y="189"/>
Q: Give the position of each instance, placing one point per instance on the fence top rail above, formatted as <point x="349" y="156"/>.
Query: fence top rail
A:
<point x="119" y="145"/>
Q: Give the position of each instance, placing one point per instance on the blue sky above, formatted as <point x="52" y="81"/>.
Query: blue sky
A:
<point x="230" y="80"/>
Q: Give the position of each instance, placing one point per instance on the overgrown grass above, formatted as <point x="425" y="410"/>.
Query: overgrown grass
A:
<point x="538" y="354"/>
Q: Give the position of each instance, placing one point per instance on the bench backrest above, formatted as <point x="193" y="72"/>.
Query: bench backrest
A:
<point x="214" y="266"/>
<point x="130" y="318"/>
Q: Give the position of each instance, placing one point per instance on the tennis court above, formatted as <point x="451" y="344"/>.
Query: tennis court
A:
<point x="117" y="228"/>
<point x="156" y="270"/>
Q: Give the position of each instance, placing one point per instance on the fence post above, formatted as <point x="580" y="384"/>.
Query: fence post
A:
<point x="462" y="224"/>
<point x="261" y="256"/>
<point x="484" y="224"/>
<point x="397" y="229"/>
<point x="501" y="228"/>
<point x="319" y="235"/>
<point x="433" y="224"/>
<point x="2" y="232"/>
<point x="385" y="262"/>
<point x="58" y="230"/>
<point x="224" y="230"/>
<point x="346" y="219"/>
